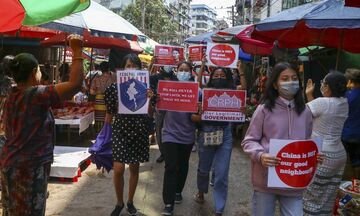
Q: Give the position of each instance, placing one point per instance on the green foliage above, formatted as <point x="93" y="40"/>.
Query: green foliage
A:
<point x="158" y="23"/>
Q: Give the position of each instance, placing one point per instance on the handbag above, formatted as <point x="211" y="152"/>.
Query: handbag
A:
<point x="213" y="138"/>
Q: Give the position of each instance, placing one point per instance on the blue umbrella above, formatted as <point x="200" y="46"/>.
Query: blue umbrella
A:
<point x="101" y="151"/>
<point x="328" y="23"/>
<point x="201" y="38"/>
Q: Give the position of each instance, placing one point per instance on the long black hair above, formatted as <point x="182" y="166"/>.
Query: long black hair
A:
<point x="271" y="94"/>
<point x="229" y="78"/>
<point x="22" y="66"/>
<point x="337" y="83"/>
<point x="133" y="58"/>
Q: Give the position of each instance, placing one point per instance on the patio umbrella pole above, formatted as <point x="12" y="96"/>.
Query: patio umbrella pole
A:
<point x="91" y="62"/>
<point x="339" y="48"/>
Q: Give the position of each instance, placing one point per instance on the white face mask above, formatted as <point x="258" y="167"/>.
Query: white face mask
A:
<point x="183" y="75"/>
<point x="289" y="89"/>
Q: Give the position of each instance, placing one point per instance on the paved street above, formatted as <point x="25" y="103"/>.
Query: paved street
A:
<point x="94" y="195"/>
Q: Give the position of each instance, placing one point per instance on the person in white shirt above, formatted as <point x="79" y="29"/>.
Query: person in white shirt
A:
<point x="329" y="113"/>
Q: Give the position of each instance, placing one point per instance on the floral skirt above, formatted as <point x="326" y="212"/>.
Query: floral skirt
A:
<point x="24" y="190"/>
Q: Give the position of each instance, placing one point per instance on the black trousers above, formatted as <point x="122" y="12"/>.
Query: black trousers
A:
<point x="159" y="122"/>
<point x="176" y="169"/>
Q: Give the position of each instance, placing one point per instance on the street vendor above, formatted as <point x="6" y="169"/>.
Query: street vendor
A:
<point x="99" y="84"/>
<point x="29" y="127"/>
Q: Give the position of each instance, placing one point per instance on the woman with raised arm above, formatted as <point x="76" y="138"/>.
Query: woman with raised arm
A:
<point x="329" y="113"/>
<point x="29" y="132"/>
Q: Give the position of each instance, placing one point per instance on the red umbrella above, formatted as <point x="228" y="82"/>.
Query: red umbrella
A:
<point x="247" y="44"/>
<point x="16" y="13"/>
<point x="253" y="46"/>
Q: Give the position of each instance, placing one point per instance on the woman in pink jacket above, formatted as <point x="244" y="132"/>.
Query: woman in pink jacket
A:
<point x="282" y="115"/>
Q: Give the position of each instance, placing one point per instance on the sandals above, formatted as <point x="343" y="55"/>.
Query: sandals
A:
<point x="199" y="199"/>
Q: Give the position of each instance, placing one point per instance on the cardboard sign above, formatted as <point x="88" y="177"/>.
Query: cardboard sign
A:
<point x="298" y="162"/>
<point x="178" y="96"/>
<point x="168" y="55"/>
<point x="222" y="55"/>
<point x="132" y="91"/>
<point x="196" y="53"/>
<point x="223" y="105"/>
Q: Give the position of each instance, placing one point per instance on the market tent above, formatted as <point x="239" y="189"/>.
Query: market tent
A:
<point x="99" y="20"/>
<point x="328" y="23"/>
<point x="16" y="13"/>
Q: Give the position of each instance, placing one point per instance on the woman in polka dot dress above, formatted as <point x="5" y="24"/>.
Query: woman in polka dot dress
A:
<point x="130" y="142"/>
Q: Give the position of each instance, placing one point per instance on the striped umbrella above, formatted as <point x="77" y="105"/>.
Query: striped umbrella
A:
<point x="16" y="13"/>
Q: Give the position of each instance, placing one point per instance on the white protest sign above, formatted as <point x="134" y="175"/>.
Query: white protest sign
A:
<point x="132" y="91"/>
<point x="222" y="55"/>
<point x="298" y="162"/>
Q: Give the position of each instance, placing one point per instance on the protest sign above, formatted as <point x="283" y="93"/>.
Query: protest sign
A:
<point x="298" y="162"/>
<point x="168" y="55"/>
<point x="196" y="53"/>
<point x="222" y="55"/>
<point x="132" y="91"/>
<point x="178" y="96"/>
<point x="223" y="105"/>
<point x="205" y="79"/>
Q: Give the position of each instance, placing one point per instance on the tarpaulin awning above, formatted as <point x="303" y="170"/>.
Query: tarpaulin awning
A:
<point x="95" y="42"/>
<point x="32" y="32"/>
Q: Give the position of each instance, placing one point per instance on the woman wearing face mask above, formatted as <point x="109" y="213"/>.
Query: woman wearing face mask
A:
<point x="281" y="115"/>
<point x="329" y="113"/>
<point x="130" y="140"/>
<point x="215" y="155"/>
<point x="29" y="128"/>
<point x="178" y="137"/>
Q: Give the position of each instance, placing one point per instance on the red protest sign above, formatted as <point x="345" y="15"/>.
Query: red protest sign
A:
<point x="178" y="96"/>
<point x="196" y="53"/>
<point x="222" y="55"/>
<point x="298" y="163"/>
<point x="223" y="105"/>
<point x="168" y="55"/>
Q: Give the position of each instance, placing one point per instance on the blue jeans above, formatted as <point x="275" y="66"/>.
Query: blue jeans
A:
<point x="264" y="204"/>
<point x="217" y="157"/>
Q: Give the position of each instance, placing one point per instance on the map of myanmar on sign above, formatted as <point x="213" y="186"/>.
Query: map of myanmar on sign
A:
<point x="132" y="88"/>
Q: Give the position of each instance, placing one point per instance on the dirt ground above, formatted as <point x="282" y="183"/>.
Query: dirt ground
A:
<point x="93" y="194"/>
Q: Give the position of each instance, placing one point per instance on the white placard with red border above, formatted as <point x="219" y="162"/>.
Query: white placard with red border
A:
<point x="132" y="88"/>
<point x="223" y="105"/>
<point x="168" y="55"/>
<point x="222" y="55"/>
<point x="298" y="162"/>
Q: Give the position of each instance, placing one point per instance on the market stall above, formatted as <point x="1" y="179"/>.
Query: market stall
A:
<point x="75" y="115"/>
